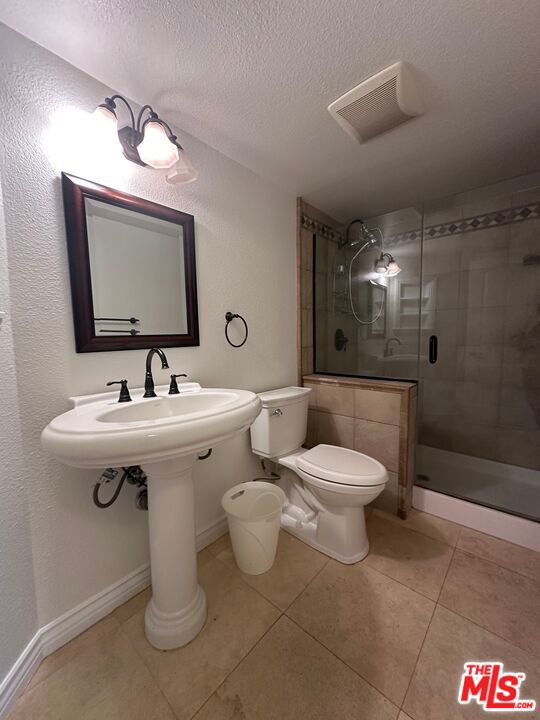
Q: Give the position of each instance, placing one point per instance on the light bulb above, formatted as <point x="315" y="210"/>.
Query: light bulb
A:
<point x="182" y="171"/>
<point x="393" y="268"/>
<point x="104" y="120"/>
<point x="104" y="130"/>
<point x="156" y="149"/>
<point x="380" y="266"/>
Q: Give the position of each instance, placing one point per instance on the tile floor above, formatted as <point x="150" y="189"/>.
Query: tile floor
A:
<point x="385" y="639"/>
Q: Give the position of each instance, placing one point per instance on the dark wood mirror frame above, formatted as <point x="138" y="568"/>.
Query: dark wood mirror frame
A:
<point x="75" y="190"/>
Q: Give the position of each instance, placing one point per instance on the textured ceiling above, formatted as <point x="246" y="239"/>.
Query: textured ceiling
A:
<point x="253" y="79"/>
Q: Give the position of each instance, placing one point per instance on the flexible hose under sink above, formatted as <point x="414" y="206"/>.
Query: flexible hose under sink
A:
<point x="133" y="474"/>
<point x="103" y="505"/>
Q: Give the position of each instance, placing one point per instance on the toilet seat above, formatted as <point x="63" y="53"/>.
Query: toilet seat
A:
<point x="341" y="467"/>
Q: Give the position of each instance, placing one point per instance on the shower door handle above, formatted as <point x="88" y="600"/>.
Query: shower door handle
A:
<point x="433" y="349"/>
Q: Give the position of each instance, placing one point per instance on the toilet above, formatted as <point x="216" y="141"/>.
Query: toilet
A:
<point x="327" y="487"/>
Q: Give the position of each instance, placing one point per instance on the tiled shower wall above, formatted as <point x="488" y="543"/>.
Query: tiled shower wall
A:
<point x="309" y="222"/>
<point x="480" y="296"/>
<point x="482" y="397"/>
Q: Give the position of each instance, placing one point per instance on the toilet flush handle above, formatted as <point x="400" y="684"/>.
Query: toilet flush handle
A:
<point x="277" y="412"/>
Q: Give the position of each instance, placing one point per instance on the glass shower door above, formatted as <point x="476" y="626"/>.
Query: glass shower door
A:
<point x="479" y="394"/>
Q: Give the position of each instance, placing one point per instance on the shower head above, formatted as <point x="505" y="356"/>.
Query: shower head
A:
<point x="361" y="235"/>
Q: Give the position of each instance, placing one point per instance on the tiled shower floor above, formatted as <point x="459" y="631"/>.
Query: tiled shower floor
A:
<point x="314" y="639"/>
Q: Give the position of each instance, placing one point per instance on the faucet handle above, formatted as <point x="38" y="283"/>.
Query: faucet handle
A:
<point x="124" y="391"/>
<point x="173" y="387"/>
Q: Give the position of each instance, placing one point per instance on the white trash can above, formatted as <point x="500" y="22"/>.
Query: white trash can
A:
<point x="253" y="513"/>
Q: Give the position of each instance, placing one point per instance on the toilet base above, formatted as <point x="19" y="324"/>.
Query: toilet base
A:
<point x="342" y="538"/>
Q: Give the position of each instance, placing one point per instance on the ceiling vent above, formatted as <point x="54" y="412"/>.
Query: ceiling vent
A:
<point x="378" y="104"/>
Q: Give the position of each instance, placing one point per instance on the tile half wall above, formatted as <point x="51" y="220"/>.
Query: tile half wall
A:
<point x="375" y="417"/>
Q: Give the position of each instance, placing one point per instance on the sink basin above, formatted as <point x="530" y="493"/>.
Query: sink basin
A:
<point x="164" y="435"/>
<point x="173" y="406"/>
<point x="100" y="432"/>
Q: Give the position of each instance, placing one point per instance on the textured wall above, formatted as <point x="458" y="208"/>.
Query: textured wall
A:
<point x="18" y="618"/>
<point x="245" y="238"/>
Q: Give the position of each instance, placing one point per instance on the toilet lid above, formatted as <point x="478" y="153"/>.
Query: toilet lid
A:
<point x="340" y="465"/>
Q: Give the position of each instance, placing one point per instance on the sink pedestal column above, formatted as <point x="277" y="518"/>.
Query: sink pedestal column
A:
<point x="177" y="610"/>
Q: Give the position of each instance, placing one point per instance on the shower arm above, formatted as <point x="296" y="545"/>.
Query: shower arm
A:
<point x="367" y="233"/>
<point x="345" y="241"/>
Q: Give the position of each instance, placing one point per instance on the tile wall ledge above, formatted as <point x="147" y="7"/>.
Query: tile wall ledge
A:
<point x="366" y="383"/>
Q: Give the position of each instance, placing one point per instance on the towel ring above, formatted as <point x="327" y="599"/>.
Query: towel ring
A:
<point x="229" y="316"/>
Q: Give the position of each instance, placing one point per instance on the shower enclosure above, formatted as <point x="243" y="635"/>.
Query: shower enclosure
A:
<point x="462" y="317"/>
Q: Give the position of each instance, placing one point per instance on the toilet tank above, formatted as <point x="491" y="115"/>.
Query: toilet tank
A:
<point x="281" y="426"/>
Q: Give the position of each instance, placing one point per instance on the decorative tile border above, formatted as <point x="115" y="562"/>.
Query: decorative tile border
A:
<point x="470" y="224"/>
<point x="453" y="227"/>
<point x="321" y="229"/>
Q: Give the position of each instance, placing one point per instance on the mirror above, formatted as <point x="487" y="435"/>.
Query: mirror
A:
<point x="132" y="266"/>
<point x="377" y="305"/>
<point x="152" y="252"/>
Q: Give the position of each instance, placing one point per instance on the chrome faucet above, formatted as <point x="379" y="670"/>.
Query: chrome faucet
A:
<point x="148" y="378"/>
<point x="387" y="349"/>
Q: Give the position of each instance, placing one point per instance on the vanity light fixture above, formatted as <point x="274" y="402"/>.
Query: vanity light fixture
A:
<point x="386" y="265"/>
<point x="147" y="140"/>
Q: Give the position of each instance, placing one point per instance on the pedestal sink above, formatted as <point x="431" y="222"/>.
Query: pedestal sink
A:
<point x="164" y="435"/>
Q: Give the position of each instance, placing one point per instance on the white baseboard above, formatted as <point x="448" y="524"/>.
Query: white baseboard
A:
<point x="20" y="674"/>
<point x="75" y="621"/>
<point x="80" y="618"/>
<point x="60" y="631"/>
<point x="517" y="530"/>
<point x="212" y="532"/>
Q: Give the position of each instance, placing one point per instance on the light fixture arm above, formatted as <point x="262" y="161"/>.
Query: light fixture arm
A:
<point x="137" y="126"/>
<point x="111" y="101"/>
<point x="152" y="115"/>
